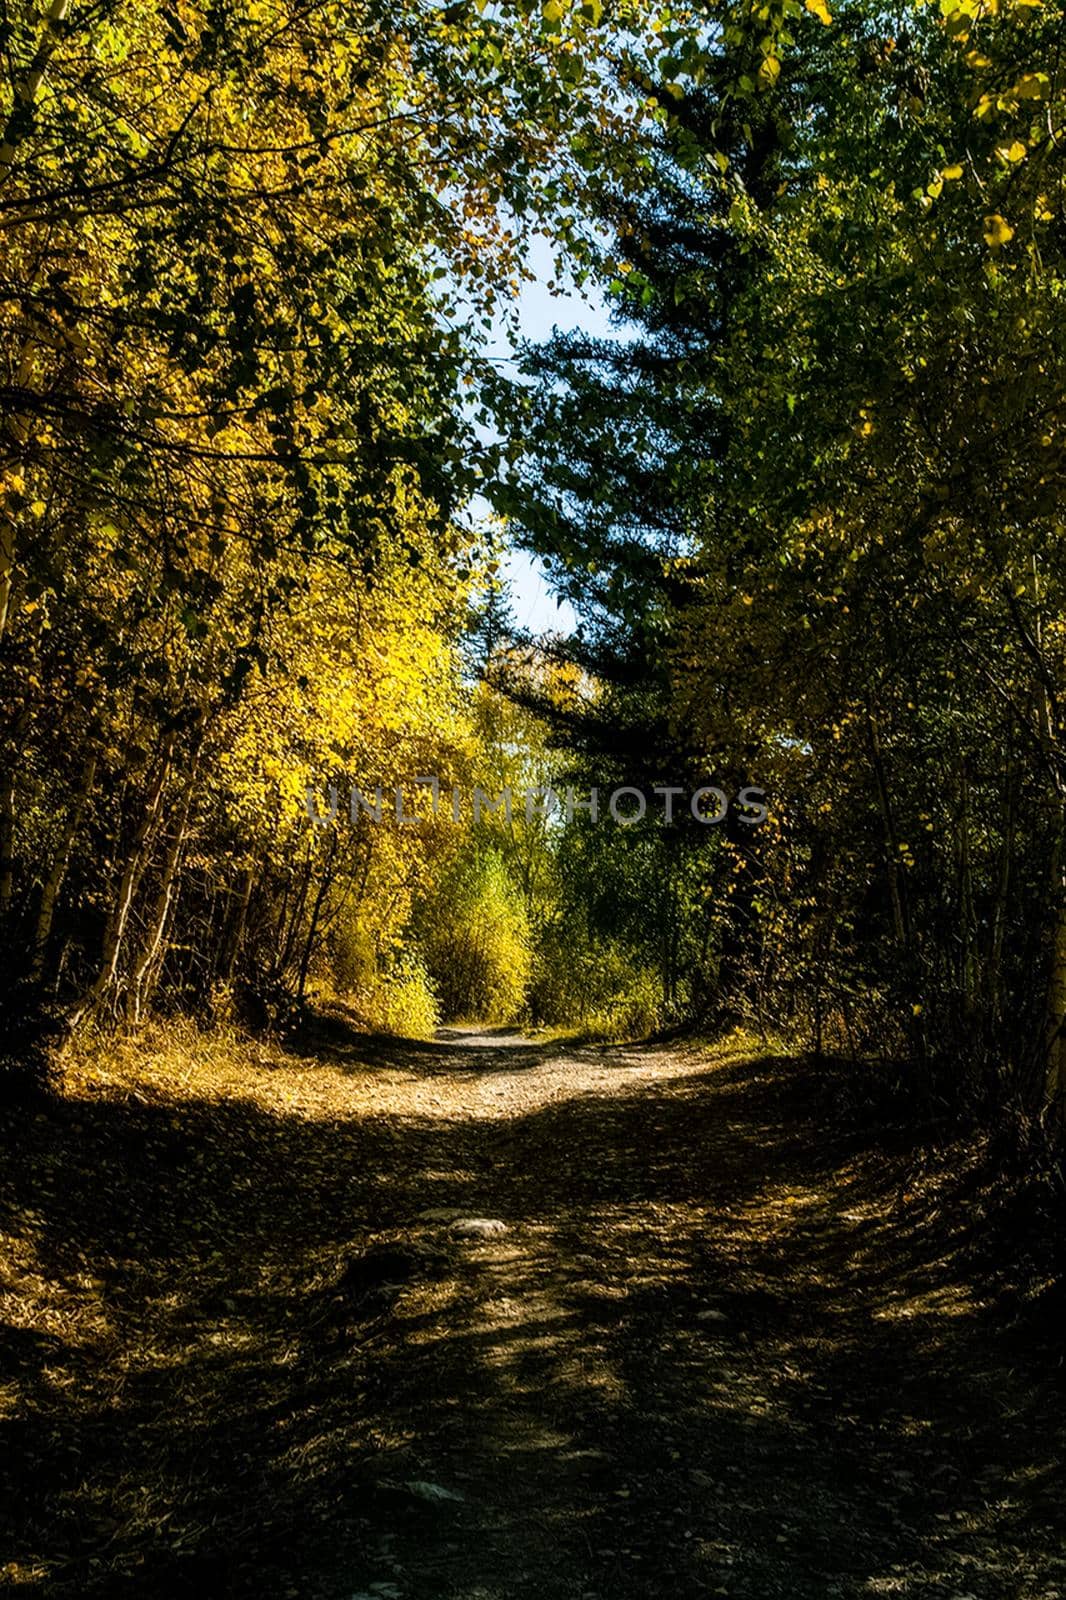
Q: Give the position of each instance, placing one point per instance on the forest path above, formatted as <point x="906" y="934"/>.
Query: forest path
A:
<point x="717" y="1350"/>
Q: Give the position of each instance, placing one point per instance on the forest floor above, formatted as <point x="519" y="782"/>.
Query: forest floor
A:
<point x="252" y="1347"/>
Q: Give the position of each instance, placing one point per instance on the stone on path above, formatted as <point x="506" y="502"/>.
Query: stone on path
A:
<point x="478" y="1228"/>
<point x="434" y="1492"/>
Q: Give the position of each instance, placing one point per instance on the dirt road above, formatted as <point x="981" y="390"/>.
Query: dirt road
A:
<point x="489" y="1319"/>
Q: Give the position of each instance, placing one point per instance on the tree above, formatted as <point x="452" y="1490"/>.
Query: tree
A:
<point x="247" y="254"/>
<point x="824" y="491"/>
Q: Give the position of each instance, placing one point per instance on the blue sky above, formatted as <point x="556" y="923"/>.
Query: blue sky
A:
<point x="539" y="312"/>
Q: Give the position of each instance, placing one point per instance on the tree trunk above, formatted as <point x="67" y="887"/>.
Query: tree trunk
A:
<point x="1003" y="882"/>
<point x="1055" y="1004"/>
<point x="115" y="930"/>
<point x="900" y="920"/>
<point x="7" y="843"/>
<point x="967" y="916"/>
<point x="235" y="932"/>
<point x="28" y="85"/>
<point x="147" y="969"/>
<point x="7" y="559"/>
<point x="1056" y="995"/>
<point x="316" y="911"/>
<point x="8" y="818"/>
<point x="54" y="881"/>
<point x="281" y="965"/>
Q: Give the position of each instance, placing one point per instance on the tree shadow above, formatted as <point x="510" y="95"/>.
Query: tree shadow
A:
<point x="722" y="1348"/>
<point x="329" y="1034"/>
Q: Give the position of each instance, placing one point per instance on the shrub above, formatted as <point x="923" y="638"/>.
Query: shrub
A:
<point x="597" y="984"/>
<point x="402" y="1001"/>
<point x="474" y="935"/>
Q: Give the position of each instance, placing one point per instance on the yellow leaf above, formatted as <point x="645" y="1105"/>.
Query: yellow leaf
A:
<point x="770" y="70"/>
<point x="819" y="9"/>
<point x="949" y="174"/>
<point x="1031" y="86"/>
<point x="998" y="231"/>
<point x="38" y="508"/>
<point x="1012" y="152"/>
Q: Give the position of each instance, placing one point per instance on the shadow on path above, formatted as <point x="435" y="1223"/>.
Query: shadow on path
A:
<point x="717" y="1351"/>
